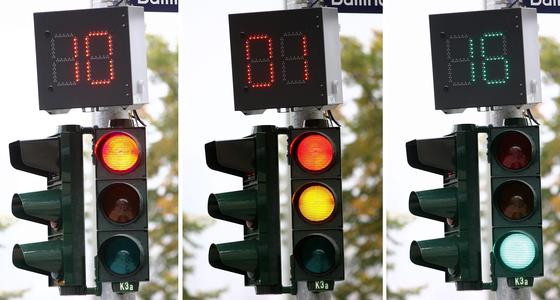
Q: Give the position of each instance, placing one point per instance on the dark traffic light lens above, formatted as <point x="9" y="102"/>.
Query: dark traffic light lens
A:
<point x="120" y="203"/>
<point x="515" y="200"/>
<point x="313" y="152"/>
<point x="513" y="150"/>
<point x="121" y="255"/>
<point x="316" y="254"/>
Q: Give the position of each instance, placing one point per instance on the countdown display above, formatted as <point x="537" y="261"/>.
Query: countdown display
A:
<point x="91" y="58"/>
<point x="485" y="59"/>
<point x="285" y="59"/>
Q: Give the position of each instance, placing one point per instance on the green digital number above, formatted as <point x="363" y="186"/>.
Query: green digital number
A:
<point x="487" y="60"/>
<point x="492" y="59"/>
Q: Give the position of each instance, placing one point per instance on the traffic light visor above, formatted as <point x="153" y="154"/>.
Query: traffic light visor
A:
<point x="239" y="257"/>
<point x="119" y="152"/>
<point x="440" y="254"/>
<point x="43" y="257"/>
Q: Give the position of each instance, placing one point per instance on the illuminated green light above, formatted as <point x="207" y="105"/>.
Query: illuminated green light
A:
<point x="517" y="251"/>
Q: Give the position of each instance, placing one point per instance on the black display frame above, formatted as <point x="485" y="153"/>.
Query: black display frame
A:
<point x="275" y="23"/>
<point x="115" y="20"/>
<point x="474" y="24"/>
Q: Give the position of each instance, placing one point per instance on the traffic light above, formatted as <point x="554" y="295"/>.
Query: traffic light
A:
<point x="314" y="154"/>
<point x="455" y="157"/>
<point x="122" y="210"/>
<point x="60" y="208"/>
<point x="516" y="202"/>
<point x="256" y="208"/>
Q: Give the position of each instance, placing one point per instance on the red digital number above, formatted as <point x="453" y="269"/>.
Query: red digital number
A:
<point x="252" y="62"/>
<point x="90" y="59"/>
<point x="107" y="57"/>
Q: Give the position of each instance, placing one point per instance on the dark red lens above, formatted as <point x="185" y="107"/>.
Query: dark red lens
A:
<point x="513" y="150"/>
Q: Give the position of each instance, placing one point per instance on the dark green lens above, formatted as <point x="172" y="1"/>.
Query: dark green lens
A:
<point x="316" y="254"/>
<point x="121" y="255"/>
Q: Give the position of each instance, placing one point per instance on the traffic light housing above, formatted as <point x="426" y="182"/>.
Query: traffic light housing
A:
<point x="457" y="205"/>
<point x="122" y="205"/>
<point x="514" y="156"/>
<point x="317" y="237"/>
<point x="60" y="207"/>
<point x="256" y="207"/>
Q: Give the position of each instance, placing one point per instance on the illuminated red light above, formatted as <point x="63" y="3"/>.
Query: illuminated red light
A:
<point x="118" y="152"/>
<point x="108" y="57"/>
<point x="250" y="60"/>
<point x="314" y="152"/>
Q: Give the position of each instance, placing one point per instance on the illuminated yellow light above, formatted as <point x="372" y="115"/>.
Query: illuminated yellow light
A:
<point x="120" y="153"/>
<point x="316" y="203"/>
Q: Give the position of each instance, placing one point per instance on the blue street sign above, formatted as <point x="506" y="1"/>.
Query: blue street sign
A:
<point x="357" y="6"/>
<point x="544" y="6"/>
<point x="158" y="5"/>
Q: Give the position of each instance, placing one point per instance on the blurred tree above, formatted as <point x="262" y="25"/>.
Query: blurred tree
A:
<point x="11" y="295"/>
<point x="162" y="166"/>
<point x="547" y="287"/>
<point x="362" y="166"/>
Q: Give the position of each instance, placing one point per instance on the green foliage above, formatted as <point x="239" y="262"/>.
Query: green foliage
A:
<point x="162" y="166"/>
<point x="362" y="165"/>
<point x="550" y="157"/>
<point x="11" y="295"/>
